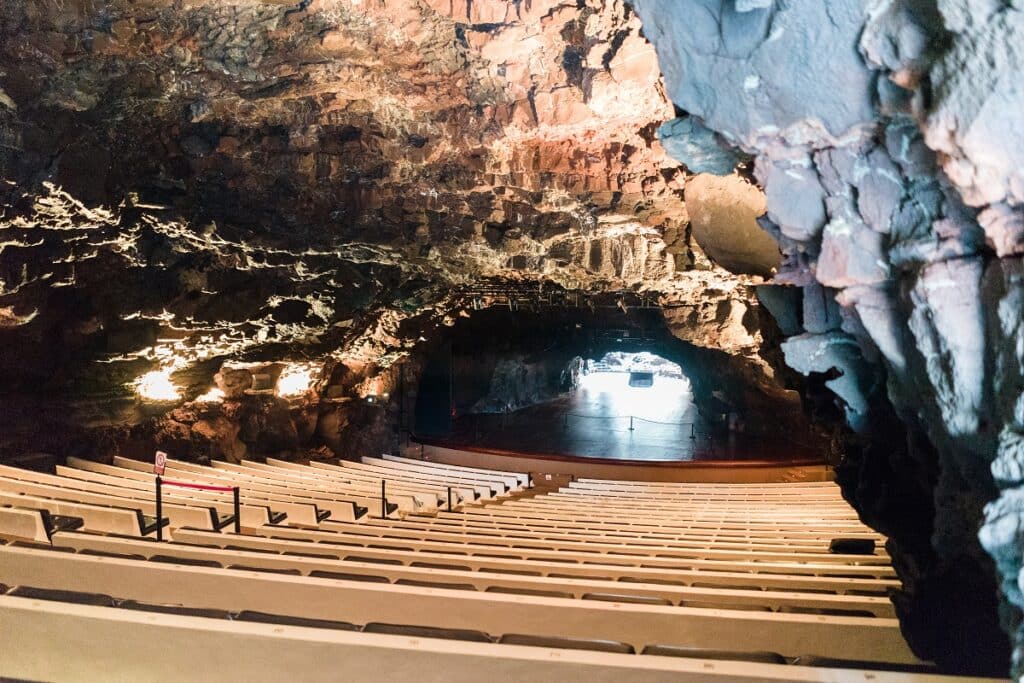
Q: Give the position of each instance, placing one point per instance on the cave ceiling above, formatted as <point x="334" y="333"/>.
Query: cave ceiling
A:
<point x="189" y="182"/>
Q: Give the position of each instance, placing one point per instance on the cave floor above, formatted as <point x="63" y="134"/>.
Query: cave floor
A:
<point x="596" y="424"/>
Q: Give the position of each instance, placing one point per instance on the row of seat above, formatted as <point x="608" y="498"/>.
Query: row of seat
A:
<point x="637" y="623"/>
<point x="469" y="635"/>
<point x="730" y="581"/>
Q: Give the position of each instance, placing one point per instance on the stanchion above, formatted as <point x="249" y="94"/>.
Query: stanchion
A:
<point x="693" y="430"/>
<point x="383" y="498"/>
<point x="161" y="482"/>
<point x="159" y="510"/>
<point x="449" y="499"/>
<point x="630" y="423"/>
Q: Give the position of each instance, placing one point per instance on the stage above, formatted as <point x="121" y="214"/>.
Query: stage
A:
<point x="609" y="420"/>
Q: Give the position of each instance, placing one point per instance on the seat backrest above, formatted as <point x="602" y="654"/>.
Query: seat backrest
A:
<point x="266" y="570"/>
<point x="56" y="595"/>
<point x="428" y="632"/>
<point x="284" y="620"/>
<point x="436" y="584"/>
<point x="759" y="657"/>
<point x="529" y="591"/>
<point x="634" y="599"/>
<point x="176" y="609"/>
<point x="343" y="576"/>
<point x="568" y="643"/>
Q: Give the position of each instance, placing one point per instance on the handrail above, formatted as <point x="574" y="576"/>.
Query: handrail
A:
<point x="161" y="482"/>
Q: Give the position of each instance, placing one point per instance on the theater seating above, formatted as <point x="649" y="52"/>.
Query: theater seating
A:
<point x="330" y="577"/>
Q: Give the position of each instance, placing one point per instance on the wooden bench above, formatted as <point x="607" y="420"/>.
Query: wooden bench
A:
<point x="611" y="569"/>
<point x="108" y="519"/>
<point x="641" y="520"/>
<point x="871" y="639"/>
<point x="606" y="508"/>
<point x="708" y="541"/>
<point x="364" y="495"/>
<point x="299" y="514"/>
<point x="177" y="515"/>
<point x="252" y="489"/>
<point x="516" y="480"/>
<point x="498" y="486"/>
<point x="568" y="542"/>
<point x="555" y="501"/>
<point x="431" y="495"/>
<point x="480" y="490"/>
<point x="23" y="524"/>
<point x="631" y="527"/>
<point x="251" y="515"/>
<point x="318" y="559"/>
<point x="341" y="505"/>
<point x="268" y="651"/>
<point x="348" y="469"/>
<point x="551" y="553"/>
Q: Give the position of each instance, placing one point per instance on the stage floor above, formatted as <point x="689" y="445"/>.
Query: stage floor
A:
<point x="595" y="423"/>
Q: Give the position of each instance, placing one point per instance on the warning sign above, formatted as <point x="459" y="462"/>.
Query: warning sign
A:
<point x="159" y="462"/>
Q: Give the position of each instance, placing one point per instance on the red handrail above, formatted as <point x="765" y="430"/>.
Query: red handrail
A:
<point x="202" y="487"/>
<point x="161" y="482"/>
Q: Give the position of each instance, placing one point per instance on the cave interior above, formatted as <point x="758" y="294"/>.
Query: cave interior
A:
<point x="320" y="229"/>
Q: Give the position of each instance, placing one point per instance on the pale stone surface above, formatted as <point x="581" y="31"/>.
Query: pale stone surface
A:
<point x="723" y="217"/>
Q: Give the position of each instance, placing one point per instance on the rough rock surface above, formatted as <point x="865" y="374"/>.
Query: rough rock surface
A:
<point x="192" y="184"/>
<point x="887" y="139"/>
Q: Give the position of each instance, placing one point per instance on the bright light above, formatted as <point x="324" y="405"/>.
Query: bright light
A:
<point x="606" y="388"/>
<point x="295" y="380"/>
<point x="157" y="386"/>
<point x="214" y="395"/>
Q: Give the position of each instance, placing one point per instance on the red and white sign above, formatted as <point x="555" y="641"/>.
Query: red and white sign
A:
<point x="159" y="462"/>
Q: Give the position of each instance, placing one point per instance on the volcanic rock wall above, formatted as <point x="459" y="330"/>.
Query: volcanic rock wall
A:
<point x="887" y="137"/>
<point x="194" y="185"/>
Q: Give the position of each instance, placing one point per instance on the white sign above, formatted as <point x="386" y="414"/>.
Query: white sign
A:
<point x="159" y="462"/>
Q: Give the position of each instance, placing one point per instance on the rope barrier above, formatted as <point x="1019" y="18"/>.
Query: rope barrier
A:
<point x="627" y="417"/>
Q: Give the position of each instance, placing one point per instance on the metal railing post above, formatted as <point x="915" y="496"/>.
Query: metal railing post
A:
<point x="159" y="510"/>
<point x="630" y="423"/>
<point x="693" y="430"/>
<point x="449" y="499"/>
<point x="238" y="512"/>
<point x="383" y="498"/>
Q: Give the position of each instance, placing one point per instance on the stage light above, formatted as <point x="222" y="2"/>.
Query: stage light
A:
<point x="157" y="386"/>
<point x="296" y="379"/>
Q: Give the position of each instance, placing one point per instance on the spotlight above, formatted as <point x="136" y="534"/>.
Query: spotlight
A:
<point x="214" y="395"/>
<point x="157" y="386"/>
<point x="295" y="380"/>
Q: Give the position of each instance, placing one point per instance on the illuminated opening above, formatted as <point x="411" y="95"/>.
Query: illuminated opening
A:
<point x="157" y="386"/>
<point x="640" y="384"/>
<point x="295" y="380"/>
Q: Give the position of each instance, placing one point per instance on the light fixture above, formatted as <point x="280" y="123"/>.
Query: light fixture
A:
<point x="295" y="380"/>
<point x="156" y="385"/>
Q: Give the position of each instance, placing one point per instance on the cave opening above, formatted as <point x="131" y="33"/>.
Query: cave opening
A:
<point x="602" y="382"/>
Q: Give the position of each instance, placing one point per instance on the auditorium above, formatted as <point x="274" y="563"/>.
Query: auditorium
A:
<point x="513" y="340"/>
